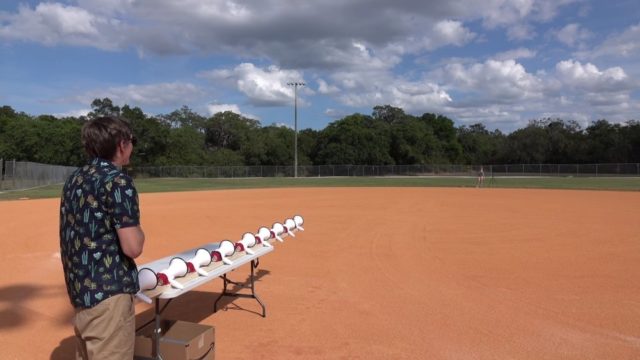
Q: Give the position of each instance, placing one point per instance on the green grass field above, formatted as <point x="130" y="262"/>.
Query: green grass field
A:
<point x="187" y="184"/>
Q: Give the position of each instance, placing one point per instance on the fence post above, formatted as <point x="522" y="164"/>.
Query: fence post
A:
<point x="13" y="175"/>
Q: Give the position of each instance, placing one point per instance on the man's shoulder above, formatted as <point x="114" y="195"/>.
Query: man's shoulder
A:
<point x="107" y="171"/>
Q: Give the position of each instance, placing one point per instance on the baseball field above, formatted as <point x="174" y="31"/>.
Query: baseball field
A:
<point x="380" y="272"/>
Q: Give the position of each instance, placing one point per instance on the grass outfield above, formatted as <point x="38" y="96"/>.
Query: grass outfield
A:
<point x="184" y="184"/>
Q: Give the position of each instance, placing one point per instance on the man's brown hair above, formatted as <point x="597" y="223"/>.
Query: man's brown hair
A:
<point x="101" y="136"/>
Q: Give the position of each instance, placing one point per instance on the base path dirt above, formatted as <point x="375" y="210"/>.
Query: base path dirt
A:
<point x="379" y="273"/>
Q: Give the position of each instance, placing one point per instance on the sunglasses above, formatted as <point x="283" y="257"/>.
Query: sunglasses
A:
<point x="133" y="140"/>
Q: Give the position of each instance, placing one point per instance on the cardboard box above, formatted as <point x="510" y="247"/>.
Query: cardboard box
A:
<point x="180" y="340"/>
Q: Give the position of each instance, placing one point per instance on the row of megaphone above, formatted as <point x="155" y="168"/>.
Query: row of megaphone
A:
<point x="178" y="267"/>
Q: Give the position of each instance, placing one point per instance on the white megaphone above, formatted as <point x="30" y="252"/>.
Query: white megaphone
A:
<point x="299" y="221"/>
<point x="177" y="268"/>
<point x="289" y="225"/>
<point x="202" y="258"/>
<point x="148" y="280"/>
<point x="248" y="241"/>
<point x="276" y="230"/>
<point x="263" y="236"/>
<point x="226" y="248"/>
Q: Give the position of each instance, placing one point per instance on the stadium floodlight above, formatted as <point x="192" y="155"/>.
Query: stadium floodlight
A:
<point x="295" y="125"/>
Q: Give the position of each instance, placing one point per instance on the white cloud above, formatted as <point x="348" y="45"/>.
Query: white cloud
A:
<point x="502" y="12"/>
<point x="440" y="34"/>
<point x="73" y="113"/>
<point x="213" y="109"/>
<point x="449" y="32"/>
<point x="496" y="91"/>
<point x="588" y="77"/>
<point x="282" y="125"/>
<point x="500" y="81"/>
<point x="509" y="12"/>
<point x="370" y="89"/>
<point x="620" y="99"/>
<point x="625" y="44"/>
<point x="335" y="113"/>
<point x="496" y="115"/>
<point x="162" y="94"/>
<point x="582" y="118"/>
<point x="545" y="10"/>
<point x="263" y="87"/>
<point x="107" y="7"/>
<point x="521" y="32"/>
<point x="572" y="35"/>
<point x="519" y="53"/>
<point x="361" y="53"/>
<point x="216" y="108"/>
<point x="519" y="16"/>
<point x="419" y="96"/>
<point x="55" y="23"/>
<point x="325" y="88"/>
<point x="331" y="34"/>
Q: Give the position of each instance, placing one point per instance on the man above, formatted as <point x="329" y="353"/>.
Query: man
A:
<point x="100" y="235"/>
<point x="480" y="177"/>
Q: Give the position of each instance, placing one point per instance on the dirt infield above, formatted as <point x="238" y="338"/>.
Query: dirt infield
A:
<point x="379" y="273"/>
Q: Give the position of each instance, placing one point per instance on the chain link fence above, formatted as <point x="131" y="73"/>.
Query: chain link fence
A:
<point x="18" y="175"/>
<point x="15" y="175"/>
<point x="585" y="170"/>
<point x="526" y="170"/>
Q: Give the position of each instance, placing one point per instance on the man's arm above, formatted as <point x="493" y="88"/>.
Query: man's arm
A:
<point x="131" y="240"/>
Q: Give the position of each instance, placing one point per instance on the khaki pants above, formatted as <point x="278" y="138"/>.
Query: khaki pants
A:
<point x="106" y="331"/>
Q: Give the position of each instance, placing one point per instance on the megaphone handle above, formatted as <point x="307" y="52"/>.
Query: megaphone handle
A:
<point x="202" y="272"/>
<point x="143" y="297"/>
<point x="175" y="284"/>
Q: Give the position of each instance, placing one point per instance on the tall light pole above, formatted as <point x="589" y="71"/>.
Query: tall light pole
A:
<point x="295" y="125"/>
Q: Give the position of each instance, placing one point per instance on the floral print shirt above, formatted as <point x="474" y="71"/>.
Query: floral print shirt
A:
<point x="97" y="199"/>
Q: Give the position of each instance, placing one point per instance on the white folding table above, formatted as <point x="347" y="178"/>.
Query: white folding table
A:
<point x="214" y="270"/>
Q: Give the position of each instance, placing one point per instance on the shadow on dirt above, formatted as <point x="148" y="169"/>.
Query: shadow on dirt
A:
<point x="194" y="306"/>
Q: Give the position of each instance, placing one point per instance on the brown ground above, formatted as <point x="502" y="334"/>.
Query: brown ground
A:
<point x="378" y="274"/>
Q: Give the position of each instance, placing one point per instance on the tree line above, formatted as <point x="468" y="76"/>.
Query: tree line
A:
<point x="388" y="136"/>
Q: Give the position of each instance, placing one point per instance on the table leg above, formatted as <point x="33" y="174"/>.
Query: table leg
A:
<point x="156" y="333"/>
<point x="226" y="282"/>
<point x="254" y="264"/>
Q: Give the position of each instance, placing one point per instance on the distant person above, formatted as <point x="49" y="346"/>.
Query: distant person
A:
<point x="480" y="182"/>
<point x="100" y="235"/>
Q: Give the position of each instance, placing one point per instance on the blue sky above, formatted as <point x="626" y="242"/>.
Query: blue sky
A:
<point x="496" y="62"/>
